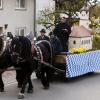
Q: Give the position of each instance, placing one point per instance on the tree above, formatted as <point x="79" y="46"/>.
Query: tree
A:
<point x="96" y="42"/>
<point x="70" y="7"/>
<point x="95" y="10"/>
<point x="47" y="18"/>
<point x="95" y="19"/>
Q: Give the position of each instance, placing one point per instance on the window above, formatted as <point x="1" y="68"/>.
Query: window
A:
<point x="85" y="42"/>
<point x="0" y="4"/>
<point x="74" y="42"/>
<point x="20" y="31"/>
<point x="20" y="4"/>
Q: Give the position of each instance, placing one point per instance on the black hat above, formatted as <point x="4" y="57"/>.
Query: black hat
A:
<point x="43" y="31"/>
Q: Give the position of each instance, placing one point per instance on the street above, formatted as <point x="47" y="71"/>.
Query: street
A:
<point x="82" y="88"/>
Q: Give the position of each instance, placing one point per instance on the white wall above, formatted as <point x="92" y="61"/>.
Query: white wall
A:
<point x="41" y="5"/>
<point x="71" y="40"/>
<point x="79" y="42"/>
<point x="84" y="23"/>
<point x="17" y="18"/>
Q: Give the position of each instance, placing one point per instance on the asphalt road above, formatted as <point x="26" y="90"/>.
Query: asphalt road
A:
<point x="82" y="88"/>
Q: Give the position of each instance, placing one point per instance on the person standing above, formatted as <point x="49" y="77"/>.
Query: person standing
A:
<point x="42" y="35"/>
<point x="62" y="31"/>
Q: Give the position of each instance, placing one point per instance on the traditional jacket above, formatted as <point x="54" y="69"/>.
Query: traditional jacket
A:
<point x="63" y="35"/>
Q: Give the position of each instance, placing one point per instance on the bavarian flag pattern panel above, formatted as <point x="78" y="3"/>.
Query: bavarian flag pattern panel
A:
<point x="79" y="64"/>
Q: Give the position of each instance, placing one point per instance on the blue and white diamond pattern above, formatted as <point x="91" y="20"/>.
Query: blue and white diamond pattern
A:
<point x="79" y="64"/>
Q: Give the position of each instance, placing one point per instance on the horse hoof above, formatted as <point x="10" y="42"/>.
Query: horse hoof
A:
<point x="1" y="89"/>
<point x="46" y="87"/>
<point x="30" y="91"/>
<point x="21" y="96"/>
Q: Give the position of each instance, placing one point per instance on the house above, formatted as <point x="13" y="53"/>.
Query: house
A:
<point x="80" y="37"/>
<point x="18" y="15"/>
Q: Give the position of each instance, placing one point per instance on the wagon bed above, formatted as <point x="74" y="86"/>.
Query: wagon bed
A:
<point x="78" y="64"/>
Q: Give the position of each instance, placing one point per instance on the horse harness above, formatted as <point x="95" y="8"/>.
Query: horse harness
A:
<point x="49" y="48"/>
<point x="19" y="58"/>
<point x="39" y="54"/>
<point x="39" y="58"/>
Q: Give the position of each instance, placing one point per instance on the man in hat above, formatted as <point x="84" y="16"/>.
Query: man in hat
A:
<point x="42" y="36"/>
<point x="62" y="31"/>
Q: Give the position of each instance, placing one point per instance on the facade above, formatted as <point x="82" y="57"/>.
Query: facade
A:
<point x="80" y="37"/>
<point x="18" y="15"/>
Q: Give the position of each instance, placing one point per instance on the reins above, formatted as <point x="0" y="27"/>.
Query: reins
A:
<point x="49" y="65"/>
<point x="9" y="69"/>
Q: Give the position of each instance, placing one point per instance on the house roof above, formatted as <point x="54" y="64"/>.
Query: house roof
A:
<point x="80" y="31"/>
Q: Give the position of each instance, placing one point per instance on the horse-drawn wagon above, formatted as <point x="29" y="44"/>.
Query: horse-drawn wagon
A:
<point x="19" y="54"/>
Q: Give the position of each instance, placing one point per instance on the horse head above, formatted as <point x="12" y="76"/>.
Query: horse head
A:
<point x="16" y="48"/>
<point x="20" y="49"/>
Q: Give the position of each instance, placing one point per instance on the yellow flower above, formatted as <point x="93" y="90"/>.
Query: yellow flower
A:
<point x="78" y="50"/>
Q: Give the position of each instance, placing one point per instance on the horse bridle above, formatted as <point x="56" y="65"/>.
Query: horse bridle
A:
<point x="18" y="54"/>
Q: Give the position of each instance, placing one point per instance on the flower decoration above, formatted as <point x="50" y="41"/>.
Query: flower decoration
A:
<point x="78" y="50"/>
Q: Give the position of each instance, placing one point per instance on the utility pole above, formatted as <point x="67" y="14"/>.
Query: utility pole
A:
<point x="34" y="17"/>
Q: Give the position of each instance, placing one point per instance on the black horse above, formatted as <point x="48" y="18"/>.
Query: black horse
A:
<point x="43" y="52"/>
<point x="5" y="61"/>
<point x="18" y="54"/>
<point x="21" y="57"/>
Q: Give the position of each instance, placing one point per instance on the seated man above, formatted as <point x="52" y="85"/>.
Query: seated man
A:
<point x="56" y="44"/>
<point x="42" y="36"/>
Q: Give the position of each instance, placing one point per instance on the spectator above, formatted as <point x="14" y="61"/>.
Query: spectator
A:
<point x="9" y="34"/>
<point x="62" y="31"/>
<point x="42" y="36"/>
